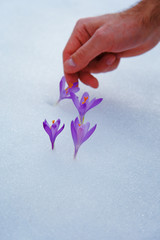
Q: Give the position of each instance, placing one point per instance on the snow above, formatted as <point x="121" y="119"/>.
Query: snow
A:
<point x="111" y="191"/>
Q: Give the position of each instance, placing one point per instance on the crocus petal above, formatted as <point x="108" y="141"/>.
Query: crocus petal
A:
<point x="74" y="88"/>
<point x="57" y="123"/>
<point x="82" y="109"/>
<point x="47" y="127"/>
<point x="76" y="123"/>
<point x="89" y="133"/>
<point x="75" y="100"/>
<point x="75" y="85"/>
<point x="91" y="102"/>
<point x="74" y="133"/>
<point x="54" y="128"/>
<point x="80" y="135"/>
<point x="86" y="127"/>
<point x="60" y="130"/>
<point x="94" y="103"/>
<point x="85" y="95"/>
<point x="81" y="132"/>
<point x="53" y="132"/>
<point x="62" y="84"/>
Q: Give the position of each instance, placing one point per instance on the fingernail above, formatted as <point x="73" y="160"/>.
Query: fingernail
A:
<point x="111" y="59"/>
<point x="71" y="63"/>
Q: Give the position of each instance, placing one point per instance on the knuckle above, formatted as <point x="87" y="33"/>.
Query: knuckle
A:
<point x="81" y="54"/>
<point x="115" y="65"/>
<point x="100" y="39"/>
<point x="80" y="58"/>
<point x="80" y="22"/>
<point x="99" y="34"/>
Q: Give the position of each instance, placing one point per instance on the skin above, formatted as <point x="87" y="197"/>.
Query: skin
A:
<point x="97" y="44"/>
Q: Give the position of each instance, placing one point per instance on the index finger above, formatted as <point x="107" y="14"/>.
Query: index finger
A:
<point x="79" y="36"/>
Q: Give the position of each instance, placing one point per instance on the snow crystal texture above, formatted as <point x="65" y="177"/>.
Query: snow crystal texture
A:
<point x="112" y="190"/>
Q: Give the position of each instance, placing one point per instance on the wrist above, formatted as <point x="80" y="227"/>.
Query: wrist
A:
<point x="147" y="15"/>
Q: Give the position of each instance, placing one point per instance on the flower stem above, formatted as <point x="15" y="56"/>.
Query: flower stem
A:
<point x="75" y="153"/>
<point x="81" y="119"/>
<point x="57" y="101"/>
<point x="52" y="146"/>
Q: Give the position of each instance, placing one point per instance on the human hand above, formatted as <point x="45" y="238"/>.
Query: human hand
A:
<point x="97" y="44"/>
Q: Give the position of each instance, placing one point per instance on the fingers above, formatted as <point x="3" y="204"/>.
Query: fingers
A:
<point x="79" y="36"/>
<point x="86" y="53"/>
<point x="84" y="77"/>
<point x="81" y="51"/>
<point x="105" y="63"/>
<point x="71" y="78"/>
<point x="88" y="79"/>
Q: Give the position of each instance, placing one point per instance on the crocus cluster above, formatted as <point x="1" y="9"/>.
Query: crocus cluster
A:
<point x="80" y="131"/>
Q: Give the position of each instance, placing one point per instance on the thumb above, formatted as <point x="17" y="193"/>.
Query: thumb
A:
<point x="86" y="53"/>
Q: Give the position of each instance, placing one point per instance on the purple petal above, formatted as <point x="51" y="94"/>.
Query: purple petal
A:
<point x="62" y="85"/>
<point x="76" y="123"/>
<point x="53" y="133"/>
<point x="47" y="127"/>
<point x="60" y="130"/>
<point x="94" y="103"/>
<point x="74" y="133"/>
<point x="85" y="95"/>
<point x="89" y="133"/>
<point x="55" y="127"/>
<point x="91" y="102"/>
<point x="74" y="88"/>
<point x="57" y="123"/>
<point x="75" y="85"/>
<point x="83" y="109"/>
<point x="80" y="135"/>
<point x="75" y="100"/>
<point x="82" y="131"/>
<point x="86" y="127"/>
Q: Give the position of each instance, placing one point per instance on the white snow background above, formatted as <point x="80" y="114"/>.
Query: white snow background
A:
<point x="112" y="190"/>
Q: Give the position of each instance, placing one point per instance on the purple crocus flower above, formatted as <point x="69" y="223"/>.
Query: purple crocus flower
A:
<point x="80" y="133"/>
<point x="84" y="105"/>
<point x="52" y="130"/>
<point x="65" y="92"/>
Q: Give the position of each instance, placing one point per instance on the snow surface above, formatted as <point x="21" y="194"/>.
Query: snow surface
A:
<point x="112" y="190"/>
